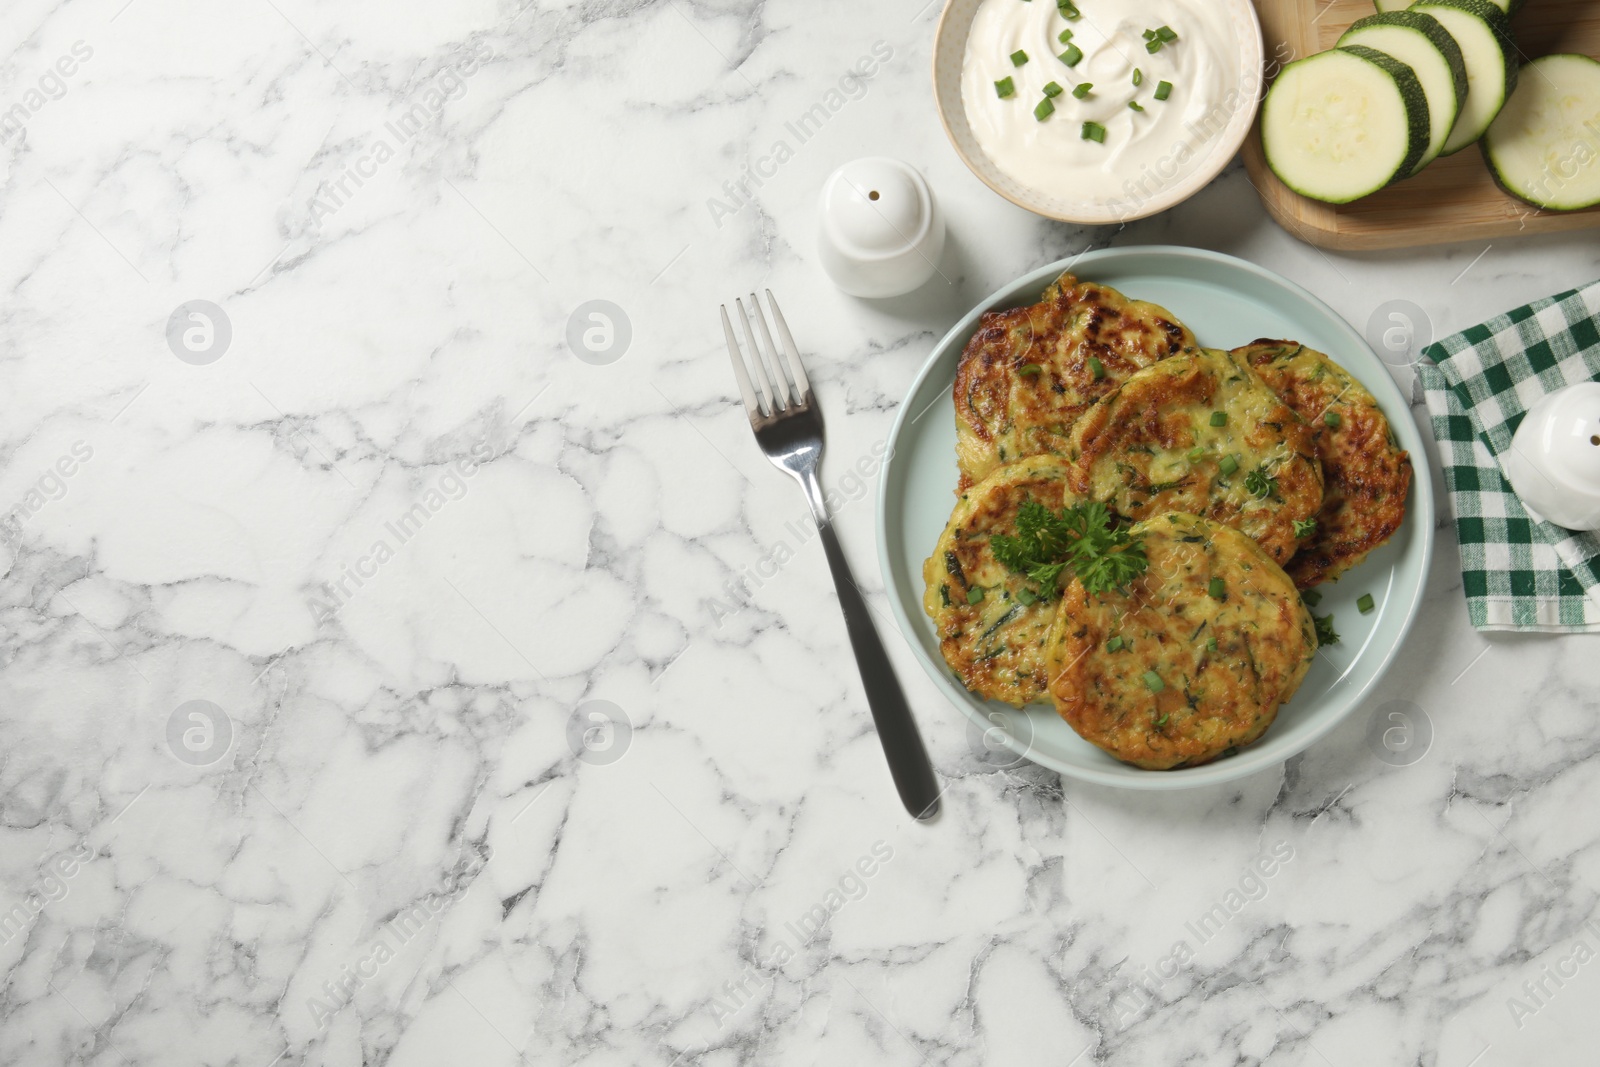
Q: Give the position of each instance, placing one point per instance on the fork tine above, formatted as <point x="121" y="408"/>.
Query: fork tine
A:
<point x="802" y="383"/>
<point x="755" y="360"/>
<point x="752" y="406"/>
<point x="769" y="353"/>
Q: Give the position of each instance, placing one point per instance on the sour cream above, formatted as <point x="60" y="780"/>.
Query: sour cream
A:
<point x="1142" y="150"/>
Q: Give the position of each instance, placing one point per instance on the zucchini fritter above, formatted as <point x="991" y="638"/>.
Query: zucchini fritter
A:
<point x="1201" y="433"/>
<point x="1193" y="659"/>
<point x="1366" y="474"/>
<point x="993" y="638"/>
<point x="1029" y="373"/>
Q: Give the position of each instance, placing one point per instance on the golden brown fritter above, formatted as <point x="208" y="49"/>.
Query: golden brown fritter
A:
<point x="993" y="639"/>
<point x="1201" y="433"/>
<point x="1029" y="373"/>
<point x="1366" y="474"/>
<point x="1168" y="674"/>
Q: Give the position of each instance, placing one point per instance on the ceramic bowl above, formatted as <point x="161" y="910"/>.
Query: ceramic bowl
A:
<point x="1212" y="155"/>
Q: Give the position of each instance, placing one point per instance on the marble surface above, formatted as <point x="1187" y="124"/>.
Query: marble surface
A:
<point x="382" y="683"/>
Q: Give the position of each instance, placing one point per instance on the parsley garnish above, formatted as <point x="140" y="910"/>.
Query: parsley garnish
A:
<point x="1304" y="527"/>
<point x="1259" y="483"/>
<point x="1103" y="556"/>
<point x="1326" y="634"/>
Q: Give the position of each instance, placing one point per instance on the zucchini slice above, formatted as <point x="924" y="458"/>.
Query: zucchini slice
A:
<point x="1421" y="43"/>
<point x="1544" y="146"/>
<point x="1484" y="34"/>
<point x="1510" y="7"/>
<point x="1344" y="123"/>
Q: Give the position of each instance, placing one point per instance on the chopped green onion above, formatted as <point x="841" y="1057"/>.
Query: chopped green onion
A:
<point x="1219" y="418"/>
<point x="1152" y="46"/>
<point x="1043" y="109"/>
<point x="1026" y="597"/>
<point x="1331" y="419"/>
<point x="1228" y="465"/>
<point x="1195" y="453"/>
<point x="1165" y="33"/>
<point x="1018" y="58"/>
<point x="1149" y="35"/>
<point x="1114" y="645"/>
<point x="974" y="595"/>
<point x="1005" y="87"/>
<point x="1365" y="604"/>
<point x="1153" y="682"/>
<point x="1163" y="90"/>
<point x="1161" y="721"/>
<point x="1093" y="131"/>
<point x="1029" y="370"/>
<point x="1065" y="35"/>
<point x="1053" y="89"/>
<point x="1311" y="597"/>
<point x="1081" y="90"/>
<point x="1211" y="644"/>
<point x="1135" y="105"/>
<point x="1096" y="368"/>
<point x="1138" y="77"/>
<point x="1217" y="588"/>
<point x="1068" y="9"/>
<point x="1072" y="56"/>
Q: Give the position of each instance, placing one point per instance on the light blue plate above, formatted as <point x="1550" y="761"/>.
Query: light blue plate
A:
<point x="1226" y="302"/>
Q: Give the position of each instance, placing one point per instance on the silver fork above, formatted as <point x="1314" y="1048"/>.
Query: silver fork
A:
<point x="788" y="427"/>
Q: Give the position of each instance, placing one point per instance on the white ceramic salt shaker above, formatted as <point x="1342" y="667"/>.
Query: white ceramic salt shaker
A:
<point x="881" y="232"/>
<point x="1554" y="463"/>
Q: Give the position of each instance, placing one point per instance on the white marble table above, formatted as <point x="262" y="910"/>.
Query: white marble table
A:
<point x="393" y="536"/>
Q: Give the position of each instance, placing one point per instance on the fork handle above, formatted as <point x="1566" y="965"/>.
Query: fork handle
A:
<point x="897" y="730"/>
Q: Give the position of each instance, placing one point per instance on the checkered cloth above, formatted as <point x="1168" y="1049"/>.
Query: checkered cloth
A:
<point x="1519" y="573"/>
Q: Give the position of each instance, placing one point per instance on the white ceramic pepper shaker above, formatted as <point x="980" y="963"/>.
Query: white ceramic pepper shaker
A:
<point x="1554" y="463"/>
<point x="881" y="232"/>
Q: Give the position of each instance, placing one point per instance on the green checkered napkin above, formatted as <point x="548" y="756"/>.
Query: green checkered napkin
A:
<point x="1519" y="573"/>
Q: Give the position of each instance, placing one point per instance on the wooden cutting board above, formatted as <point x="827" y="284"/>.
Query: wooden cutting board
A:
<point x="1454" y="198"/>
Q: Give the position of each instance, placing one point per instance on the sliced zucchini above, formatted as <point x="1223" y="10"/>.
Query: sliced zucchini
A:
<point x="1510" y="7"/>
<point x="1341" y="124"/>
<point x="1484" y="34"/>
<point x="1544" y="146"/>
<point x="1421" y="43"/>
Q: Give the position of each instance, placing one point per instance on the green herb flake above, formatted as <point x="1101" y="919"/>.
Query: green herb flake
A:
<point x="1217" y="588"/>
<point x="1326" y="634"/>
<point x="1195" y="453"/>
<point x="1228" y="465"/>
<point x="1163" y="90"/>
<point x="1053" y="89"/>
<point x="1138" y="77"/>
<point x="1027" y="597"/>
<point x="1135" y="105"/>
<point x="1331" y="419"/>
<point x="1219" y="418"/>
<point x="1259" y="483"/>
<point x="1211" y="644"/>
<point x="1029" y="370"/>
<point x="1068" y="9"/>
<point x="1096" y="368"/>
<point x="1153" y="682"/>
<point x="1072" y="56"/>
<point x="1093" y="131"/>
<point x="1065" y="35"/>
<point x="1161" y="722"/>
<point x="1018" y="58"/>
<point x="1044" y="109"/>
<point x="1165" y="33"/>
<point x="1366" y="604"/>
<point x="974" y="595"/>
<point x="1311" y="597"/>
<point x="1153" y="46"/>
<point x="1005" y="87"/>
<point x="1081" y="90"/>
<point x="1304" y="528"/>
<point x="1114" y="645"/>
